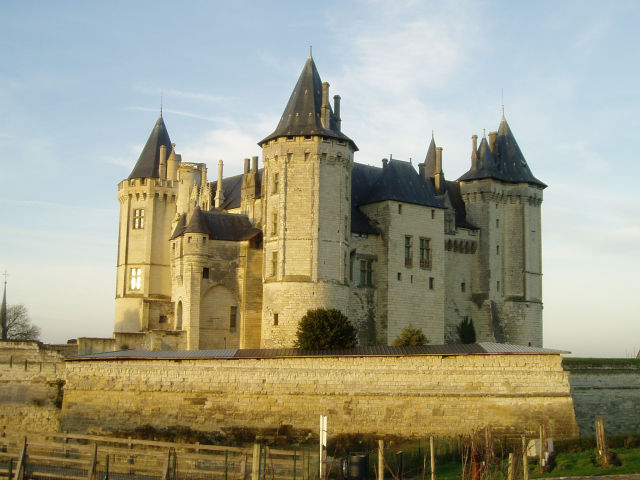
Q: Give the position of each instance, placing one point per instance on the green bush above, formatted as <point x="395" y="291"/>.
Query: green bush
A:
<point x="411" y="337"/>
<point x="325" y="329"/>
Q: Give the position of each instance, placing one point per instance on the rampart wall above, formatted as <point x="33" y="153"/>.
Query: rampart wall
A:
<point x="605" y="387"/>
<point x="407" y="395"/>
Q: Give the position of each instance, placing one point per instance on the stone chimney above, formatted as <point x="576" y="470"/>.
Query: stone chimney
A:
<point x="163" y="161"/>
<point x="219" y="194"/>
<point x="254" y="165"/>
<point x="326" y="109"/>
<point x="493" y="136"/>
<point x="474" y="152"/>
<point x="336" y="111"/>
<point x="246" y="165"/>
<point x="172" y="164"/>
<point x="438" y="177"/>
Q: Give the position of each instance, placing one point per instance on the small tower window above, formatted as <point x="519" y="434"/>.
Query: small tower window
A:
<point x="425" y="253"/>
<point x="497" y="249"/>
<point x="431" y="282"/>
<point x="274" y="224"/>
<point x="408" y="251"/>
<point x="233" y="313"/>
<point x="276" y="182"/>
<point x="449" y="225"/>
<point x="138" y="218"/>
<point x="365" y="273"/>
<point x="463" y="287"/>
<point x="205" y="272"/>
<point x="275" y="319"/>
<point x="136" y="278"/>
<point x="497" y="223"/>
<point x="433" y="214"/>
<point x="274" y="263"/>
<point x="399" y="209"/>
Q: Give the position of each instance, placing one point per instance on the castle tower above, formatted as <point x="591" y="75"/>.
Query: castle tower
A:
<point x="306" y="216"/>
<point x="147" y="207"/>
<point x="503" y="198"/>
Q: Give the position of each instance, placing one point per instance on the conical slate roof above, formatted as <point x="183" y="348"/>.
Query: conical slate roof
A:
<point x="148" y="165"/>
<point x="506" y="163"/>
<point x="430" y="159"/>
<point x="303" y="114"/>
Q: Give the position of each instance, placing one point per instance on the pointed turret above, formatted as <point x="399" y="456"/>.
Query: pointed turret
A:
<point x="505" y="162"/>
<point x="148" y="165"/>
<point x="430" y="159"/>
<point x="511" y="162"/>
<point x="308" y="110"/>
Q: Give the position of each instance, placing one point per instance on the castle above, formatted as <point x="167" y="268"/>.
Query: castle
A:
<point x="236" y="262"/>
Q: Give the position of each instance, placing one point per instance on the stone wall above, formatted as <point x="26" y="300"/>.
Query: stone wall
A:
<point x="408" y="395"/>
<point x="31" y="380"/>
<point x="605" y="387"/>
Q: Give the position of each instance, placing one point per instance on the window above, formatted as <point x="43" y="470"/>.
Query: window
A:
<point x="276" y="182"/>
<point x="433" y="214"/>
<point x="275" y="319"/>
<point x="274" y="224"/>
<point x="498" y="285"/>
<point x="408" y="251"/>
<point x="233" y="312"/>
<point x="425" y="253"/>
<point x="497" y="249"/>
<point x="449" y="224"/>
<point x="399" y="209"/>
<point x="399" y="276"/>
<point x="274" y="263"/>
<point x="136" y="278"/>
<point x="431" y="282"/>
<point x="463" y="287"/>
<point x="497" y="223"/>
<point x="138" y="218"/>
<point x="163" y="319"/>
<point x="365" y="273"/>
<point x="205" y="272"/>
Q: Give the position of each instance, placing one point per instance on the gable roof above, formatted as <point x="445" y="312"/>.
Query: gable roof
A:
<point x="217" y="225"/>
<point x="148" y="164"/>
<point x="303" y="113"/>
<point x="397" y="181"/>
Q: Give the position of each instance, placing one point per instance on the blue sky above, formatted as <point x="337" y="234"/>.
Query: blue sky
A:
<point x="80" y="87"/>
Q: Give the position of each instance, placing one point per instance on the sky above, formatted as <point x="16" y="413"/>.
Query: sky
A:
<point x="81" y="85"/>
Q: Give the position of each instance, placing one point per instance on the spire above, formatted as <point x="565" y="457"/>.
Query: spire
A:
<point x="148" y="165"/>
<point x="430" y="159"/>
<point x="3" y="309"/>
<point x="303" y="113"/>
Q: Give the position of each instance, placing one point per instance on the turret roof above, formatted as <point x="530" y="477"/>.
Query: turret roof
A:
<point x="148" y="165"/>
<point x="303" y="113"/>
<point x="505" y="163"/>
<point x="430" y="159"/>
<point x="217" y="225"/>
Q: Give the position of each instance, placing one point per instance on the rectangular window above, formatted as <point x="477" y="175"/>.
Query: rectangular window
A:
<point x="274" y="263"/>
<point x="136" y="278"/>
<point x="498" y="285"/>
<point x="275" y="319"/>
<point x="425" y="252"/>
<point x="497" y="223"/>
<point x="205" y="272"/>
<point x="399" y="209"/>
<point x="408" y="251"/>
<point x="163" y="319"/>
<point x="463" y="287"/>
<point x="274" y="224"/>
<point x="233" y="312"/>
<point x="276" y="182"/>
<point x="497" y="249"/>
<point x="431" y="282"/>
<point x="365" y="273"/>
<point x="138" y="218"/>
<point x="399" y="276"/>
<point x="449" y="224"/>
<point x="433" y="214"/>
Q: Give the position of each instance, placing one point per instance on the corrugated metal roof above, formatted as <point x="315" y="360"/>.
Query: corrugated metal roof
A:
<point x="379" y="351"/>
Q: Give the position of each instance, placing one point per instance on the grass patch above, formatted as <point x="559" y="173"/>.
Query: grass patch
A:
<point x="586" y="464"/>
<point x="600" y="362"/>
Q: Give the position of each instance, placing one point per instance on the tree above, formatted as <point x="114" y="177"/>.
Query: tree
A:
<point x="324" y="329"/>
<point x="410" y="337"/>
<point x="466" y="331"/>
<point x="19" y="326"/>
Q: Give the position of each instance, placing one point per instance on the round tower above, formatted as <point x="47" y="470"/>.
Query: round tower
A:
<point x="306" y="191"/>
<point x="147" y="207"/>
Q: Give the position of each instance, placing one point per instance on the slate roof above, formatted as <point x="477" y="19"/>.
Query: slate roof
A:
<point x="217" y="225"/>
<point x="483" y="348"/>
<point x="148" y="164"/>
<point x="506" y="163"/>
<point x="303" y="113"/>
<point x="397" y="181"/>
<point x="232" y="190"/>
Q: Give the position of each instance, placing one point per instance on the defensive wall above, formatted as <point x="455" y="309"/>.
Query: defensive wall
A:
<point x="608" y="387"/>
<point x="406" y="395"/>
<point x="379" y="390"/>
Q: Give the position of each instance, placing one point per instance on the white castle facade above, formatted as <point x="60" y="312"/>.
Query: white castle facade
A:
<point x="236" y="263"/>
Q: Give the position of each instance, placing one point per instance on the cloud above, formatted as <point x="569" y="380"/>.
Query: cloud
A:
<point x="166" y="93"/>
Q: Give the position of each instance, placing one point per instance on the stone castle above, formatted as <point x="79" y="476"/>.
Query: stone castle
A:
<point x="235" y="263"/>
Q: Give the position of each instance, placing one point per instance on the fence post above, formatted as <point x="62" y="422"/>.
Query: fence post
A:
<point x="166" y="472"/>
<point x="601" y="440"/>
<point x="295" y="455"/>
<point x="255" y="462"/>
<point x="94" y="462"/>
<point x="433" y="459"/>
<point x="525" y="460"/>
<point x="22" y="461"/>
<point x="106" y="467"/>
<point x="511" y="467"/>
<point x="226" y="464"/>
<point x="380" y="459"/>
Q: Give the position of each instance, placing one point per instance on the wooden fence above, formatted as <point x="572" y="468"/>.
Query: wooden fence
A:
<point x="29" y="455"/>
